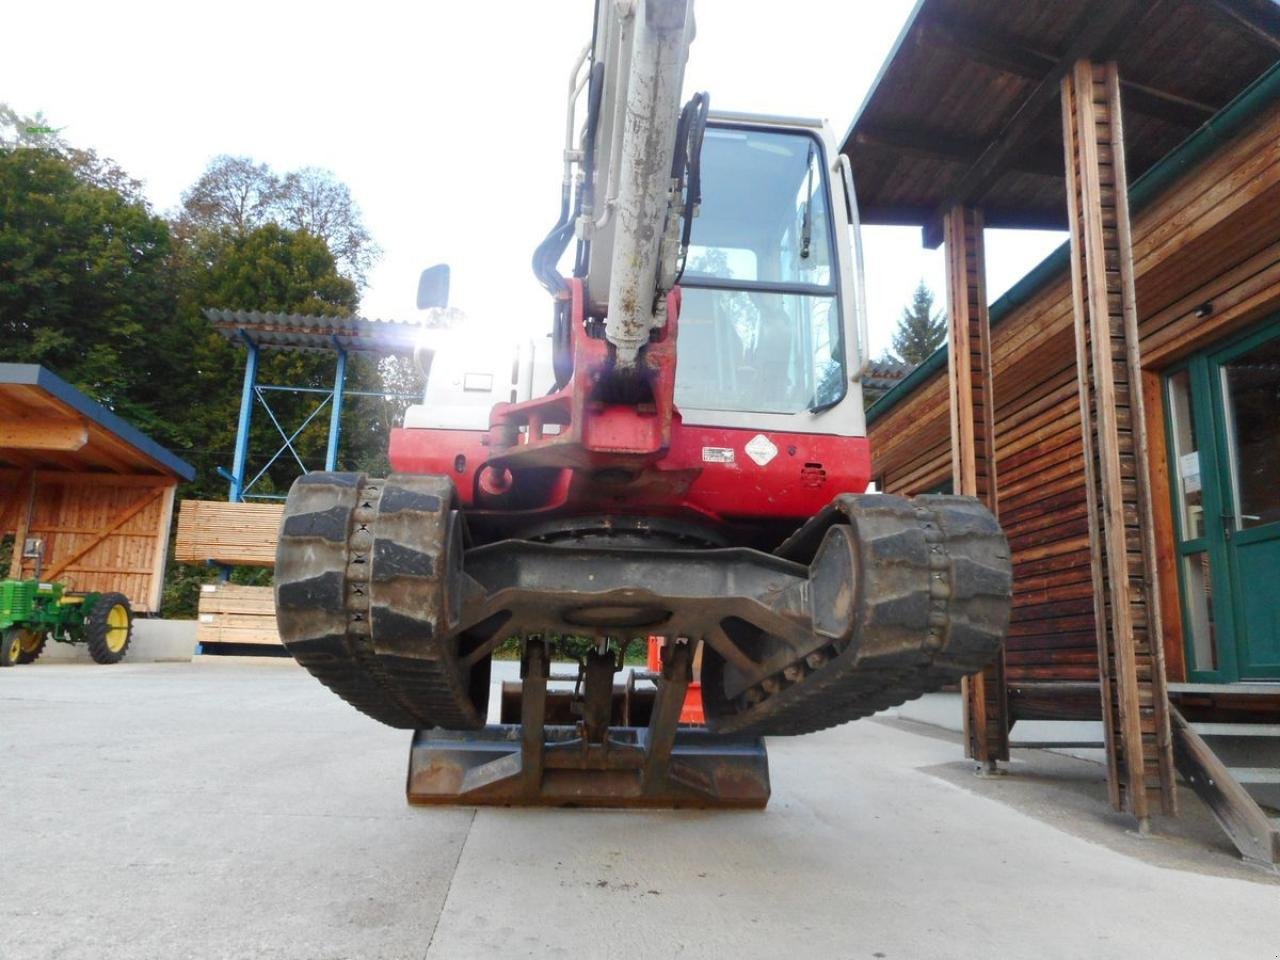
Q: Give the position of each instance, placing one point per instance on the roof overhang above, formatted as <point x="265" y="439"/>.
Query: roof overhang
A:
<point x="1260" y="96"/>
<point x="294" y="331"/>
<point x="966" y="110"/>
<point x="48" y="425"/>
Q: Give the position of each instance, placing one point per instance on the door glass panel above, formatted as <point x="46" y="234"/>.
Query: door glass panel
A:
<point x="1189" y="492"/>
<point x="1198" y="587"/>
<point x="1251" y="395"/>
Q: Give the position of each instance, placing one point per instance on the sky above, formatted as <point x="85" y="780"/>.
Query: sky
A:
<point x="445" y="119"/>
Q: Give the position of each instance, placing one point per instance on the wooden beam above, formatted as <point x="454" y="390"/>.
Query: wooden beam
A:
<point x="23" y="526"/>
<point x="1162" y="500"/>
<point x="1117" y="475"/>
<point x="94" y="478"/>
<point x="1237" y="813"/>
<point x="1009" y="54"/>
<point x="68" y="435"/>
<point x="932" y="145"/>
<point x="115" y="523"/>
<point x="914" y="216"/>
<point x="973" y="461"/>
<point x="1265" y="27"/>
<point x="1091" y="30"/>
<point x="160" y="557"/>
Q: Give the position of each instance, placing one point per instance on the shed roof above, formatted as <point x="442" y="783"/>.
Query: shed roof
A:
<point x="296" y="331"/>
<point x="1261" y="95"/>
<point x="47" y="424"/>
<point x="966" y="108"/>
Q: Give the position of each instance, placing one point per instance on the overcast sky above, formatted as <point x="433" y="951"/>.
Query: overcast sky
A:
<point x="444" y="118"/>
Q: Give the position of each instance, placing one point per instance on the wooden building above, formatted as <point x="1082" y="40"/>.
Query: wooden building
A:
<point x="1119" y="408"/>
<point x="96" y="491"/>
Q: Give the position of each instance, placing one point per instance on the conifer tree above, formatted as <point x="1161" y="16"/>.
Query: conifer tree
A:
<point x="920" y="331"/>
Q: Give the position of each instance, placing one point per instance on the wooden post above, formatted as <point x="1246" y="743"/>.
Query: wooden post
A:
<point x="23" y="526"/>
<point x="1135" y="707"/>
<point x="973" y="459"/>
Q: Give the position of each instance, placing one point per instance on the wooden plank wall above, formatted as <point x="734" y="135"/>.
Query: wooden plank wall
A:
<point x="239" y="534"/>
<point x="1212" y="238"/>
<point x="234" y="613"/>
<point x="102" y="532"/>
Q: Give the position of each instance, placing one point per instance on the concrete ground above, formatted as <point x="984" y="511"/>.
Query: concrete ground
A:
<point x="234" y="808"/>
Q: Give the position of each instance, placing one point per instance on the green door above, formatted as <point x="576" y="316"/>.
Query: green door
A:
<point x="1223" y="411"/>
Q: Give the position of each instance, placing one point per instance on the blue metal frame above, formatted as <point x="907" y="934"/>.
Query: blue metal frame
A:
<point x="240" y="484"/>
<point x="335" y="412"/>
<point x="236" y="493"/>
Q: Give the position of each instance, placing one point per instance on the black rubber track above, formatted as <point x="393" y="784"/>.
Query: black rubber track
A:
<point x="361" y="576"/>
<point x="933" y="593"/>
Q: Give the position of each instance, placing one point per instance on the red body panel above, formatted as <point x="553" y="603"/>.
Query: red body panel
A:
<point x="634" y="458"/>
<point x="807" y="473"/>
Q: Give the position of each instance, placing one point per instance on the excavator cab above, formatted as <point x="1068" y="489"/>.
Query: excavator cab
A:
<point x="764" y="325"/>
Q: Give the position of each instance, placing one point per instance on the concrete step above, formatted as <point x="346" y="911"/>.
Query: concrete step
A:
<point x="1243" y="744"/>
<point x="1237" y="729"/>
<point x="1248" y="689"/>
<point x="1248" y="775"/>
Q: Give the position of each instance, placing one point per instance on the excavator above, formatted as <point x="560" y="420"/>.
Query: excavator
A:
<point x="683" y="461"/>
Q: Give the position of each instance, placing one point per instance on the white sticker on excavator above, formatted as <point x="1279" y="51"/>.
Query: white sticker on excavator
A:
<point x="717" y="454"/>
<point x="760" y="449"/>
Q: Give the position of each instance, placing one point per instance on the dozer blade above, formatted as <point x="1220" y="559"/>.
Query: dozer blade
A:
<point x="529" y="764"/>
<point x="486" y="768"/>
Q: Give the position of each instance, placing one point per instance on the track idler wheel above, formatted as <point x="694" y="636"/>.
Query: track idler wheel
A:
<point x="366" y="578"/>
<point x="908" y="595"/>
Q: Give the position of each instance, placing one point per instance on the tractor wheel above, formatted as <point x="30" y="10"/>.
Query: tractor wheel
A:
<point x="11" y="646"/>
<point x="32" y="645"/>
<point x="108" y="628"/>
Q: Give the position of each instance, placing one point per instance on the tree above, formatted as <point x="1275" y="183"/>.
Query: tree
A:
<point x="85" y="285"/>
<point x="233" y="194"/>
<point x="920" y="331"/>
<point x="311" y="199"/>
<point x="236" y="195"/>
<point x="18" y="130"/>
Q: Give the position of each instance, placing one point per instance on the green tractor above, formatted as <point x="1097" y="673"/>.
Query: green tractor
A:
<point x="32" y="611"/>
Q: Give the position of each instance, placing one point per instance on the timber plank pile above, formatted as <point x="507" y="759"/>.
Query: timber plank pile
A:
<point x="235" y="613"/>
<point x="236" y="534"/>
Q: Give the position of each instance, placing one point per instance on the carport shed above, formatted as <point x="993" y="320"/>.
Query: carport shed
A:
<point x="96" y="490"/>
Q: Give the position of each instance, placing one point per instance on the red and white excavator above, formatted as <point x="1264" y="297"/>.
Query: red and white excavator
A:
<point x="684" y="458"/>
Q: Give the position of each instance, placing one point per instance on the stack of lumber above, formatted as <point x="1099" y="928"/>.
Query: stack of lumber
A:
<point x="232" y="613"/>
<point x="238" y="534"/>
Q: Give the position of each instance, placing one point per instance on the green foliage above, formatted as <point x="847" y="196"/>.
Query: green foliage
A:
<point x="85" y="284"/>
<point x="920" y="331"/>
<point x="96" y="287"/>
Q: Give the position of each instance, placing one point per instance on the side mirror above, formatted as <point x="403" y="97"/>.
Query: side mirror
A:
<point x="433" y="287"/>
